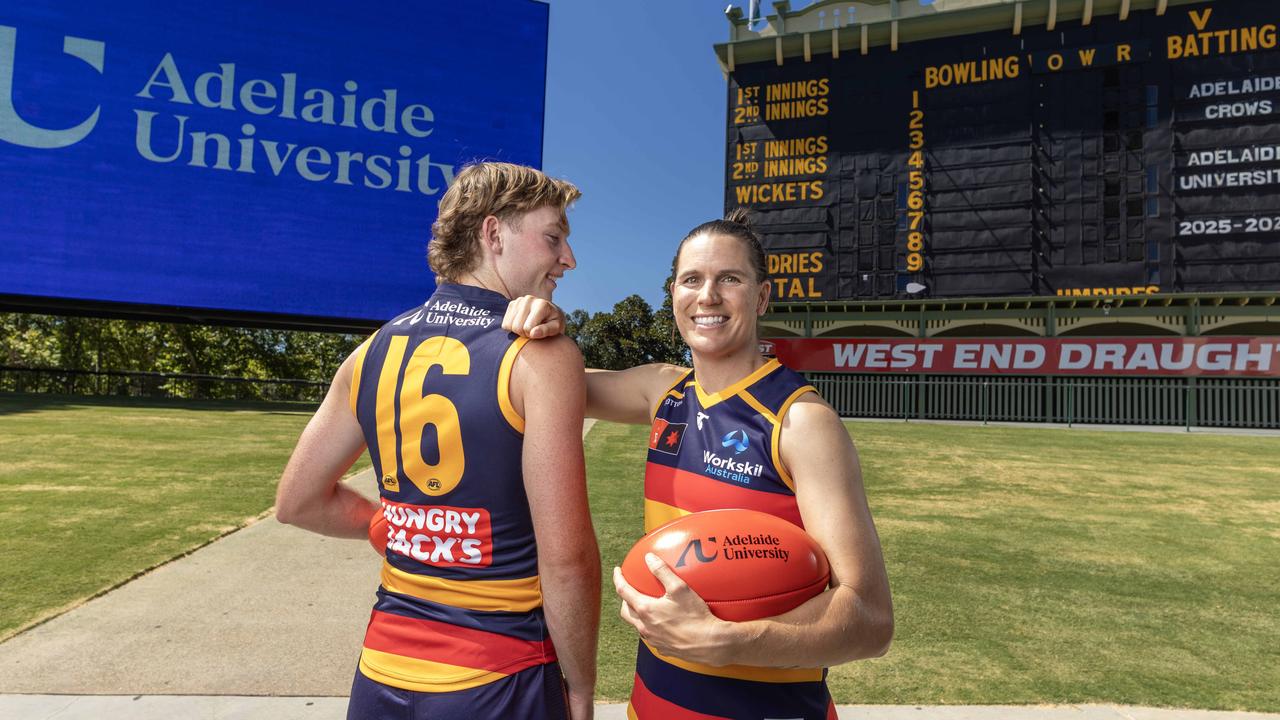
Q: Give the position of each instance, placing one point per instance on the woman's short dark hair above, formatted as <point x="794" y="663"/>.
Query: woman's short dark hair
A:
<point x="733" y="225"/>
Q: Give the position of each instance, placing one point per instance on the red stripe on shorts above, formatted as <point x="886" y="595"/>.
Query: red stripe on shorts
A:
<point x="446" y="643"/>
<point x="648" y="706"/>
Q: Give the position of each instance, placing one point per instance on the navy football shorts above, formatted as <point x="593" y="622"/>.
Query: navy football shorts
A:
<point x="534" y="693"/>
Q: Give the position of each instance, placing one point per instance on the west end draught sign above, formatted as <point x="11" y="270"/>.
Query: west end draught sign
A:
<point x="282" y="158"/>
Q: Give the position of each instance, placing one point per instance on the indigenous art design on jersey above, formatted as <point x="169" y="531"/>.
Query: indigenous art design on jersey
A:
<point x="721" y="450"/>
<point x="459" y="604"/>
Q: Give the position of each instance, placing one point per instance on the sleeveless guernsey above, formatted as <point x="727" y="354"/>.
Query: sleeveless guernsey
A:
<point x="459" y="604"/>
<point x="711" y="451"/>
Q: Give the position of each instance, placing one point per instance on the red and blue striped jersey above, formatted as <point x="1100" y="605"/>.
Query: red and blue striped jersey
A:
<point x="460" y="604"/>
<point x="721" y="450"/>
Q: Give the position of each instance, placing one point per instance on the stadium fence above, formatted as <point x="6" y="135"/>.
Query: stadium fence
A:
<point x="158" y="385"/>
<point x="1185" y="401"/>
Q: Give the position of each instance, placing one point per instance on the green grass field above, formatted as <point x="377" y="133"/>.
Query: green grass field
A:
<point x="93" y="492"/>
<point x="1028" y="565"/>
<point x="1039" y="566"/>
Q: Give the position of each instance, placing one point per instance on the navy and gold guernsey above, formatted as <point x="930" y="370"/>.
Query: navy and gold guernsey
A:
<point x="459" y="604"/>
<point x="720" y="450"/>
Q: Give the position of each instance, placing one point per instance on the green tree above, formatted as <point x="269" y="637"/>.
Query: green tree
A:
<point x="664" y="327"/>
<point x="28" y="340"/>
<point x="78" y="343"/>
<point x="631" y="334"/>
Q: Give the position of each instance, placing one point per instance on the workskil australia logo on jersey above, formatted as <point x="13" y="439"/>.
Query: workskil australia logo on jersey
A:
<point x="737" y="471"/>
<point x="736" y="439"/>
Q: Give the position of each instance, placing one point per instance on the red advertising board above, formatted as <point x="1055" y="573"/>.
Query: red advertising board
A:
<point x="1137" y="357"/>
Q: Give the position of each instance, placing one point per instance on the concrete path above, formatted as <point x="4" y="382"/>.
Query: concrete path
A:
<point x="267" y="610"/>
<point x="266" y="624"/>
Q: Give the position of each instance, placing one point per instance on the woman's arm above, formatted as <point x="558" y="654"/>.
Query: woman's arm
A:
<point x="629" y="396"/>
<point x="625" y="396"/>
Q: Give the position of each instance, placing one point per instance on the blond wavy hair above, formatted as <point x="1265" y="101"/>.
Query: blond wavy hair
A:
<point x="503" y="190"/>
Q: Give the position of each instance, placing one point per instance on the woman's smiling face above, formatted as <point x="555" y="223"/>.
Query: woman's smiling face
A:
<point x="716" y="296"/>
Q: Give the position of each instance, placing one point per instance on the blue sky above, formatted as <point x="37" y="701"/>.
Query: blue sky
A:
<point x="636" y="118"/>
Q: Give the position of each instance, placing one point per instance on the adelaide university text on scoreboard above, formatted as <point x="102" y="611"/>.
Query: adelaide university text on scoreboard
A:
<point x="1121" y="157"/>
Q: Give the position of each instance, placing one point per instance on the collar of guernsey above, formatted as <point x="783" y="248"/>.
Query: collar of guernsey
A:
<point x="474" y="293"/>
<point x="460" y="601"/>
<point x="709" y="451"/>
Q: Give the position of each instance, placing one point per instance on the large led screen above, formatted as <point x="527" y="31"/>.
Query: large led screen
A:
<point x="261" y="158"/>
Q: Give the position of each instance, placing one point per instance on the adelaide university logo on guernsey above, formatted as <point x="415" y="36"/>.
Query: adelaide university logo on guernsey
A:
<point x="13" y="128"/>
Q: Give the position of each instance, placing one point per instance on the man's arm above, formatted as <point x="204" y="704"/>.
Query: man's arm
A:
<point x="853" y="619"/>
<point x="309" y="494"/>
<point x="549" y="389"/>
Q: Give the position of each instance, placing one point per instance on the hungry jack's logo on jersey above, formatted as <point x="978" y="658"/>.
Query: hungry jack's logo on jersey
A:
<point x="439" y="535"/>
<point x="666" y="437"/>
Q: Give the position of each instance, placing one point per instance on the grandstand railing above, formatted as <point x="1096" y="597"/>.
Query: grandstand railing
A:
<point x="1188" y="402"/>
<point x="158" y="385"/>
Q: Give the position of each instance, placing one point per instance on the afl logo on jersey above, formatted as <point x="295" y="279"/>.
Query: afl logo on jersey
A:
<point x="391" y="483"/>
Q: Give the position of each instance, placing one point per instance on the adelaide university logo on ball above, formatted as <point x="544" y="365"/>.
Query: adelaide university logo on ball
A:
<point x="13" y="128"/>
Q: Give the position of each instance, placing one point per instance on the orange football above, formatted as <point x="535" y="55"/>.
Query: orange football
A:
<point x="378" y="532"/>
<point x="745" y="564"/>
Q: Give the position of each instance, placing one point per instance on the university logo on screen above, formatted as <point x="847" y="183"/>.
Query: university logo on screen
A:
<point x="175" y="105"/>
<point x="15" y="130"/>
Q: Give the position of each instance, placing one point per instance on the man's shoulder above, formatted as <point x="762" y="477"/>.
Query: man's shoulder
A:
<point x="555" y="351"/>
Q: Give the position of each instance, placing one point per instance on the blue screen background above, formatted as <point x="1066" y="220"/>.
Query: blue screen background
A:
<point x="96" y="221"/>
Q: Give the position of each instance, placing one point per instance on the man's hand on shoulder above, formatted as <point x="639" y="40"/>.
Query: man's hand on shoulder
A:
<point x="533" y="317"/>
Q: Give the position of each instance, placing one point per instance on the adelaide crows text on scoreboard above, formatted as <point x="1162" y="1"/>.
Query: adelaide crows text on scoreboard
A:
<point x="1128" y="156"/>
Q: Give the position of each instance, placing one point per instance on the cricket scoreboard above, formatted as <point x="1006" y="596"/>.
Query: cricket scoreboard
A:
<point x="1116" y="157"/>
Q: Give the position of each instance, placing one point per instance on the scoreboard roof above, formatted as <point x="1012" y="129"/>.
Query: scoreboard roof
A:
<point x="835" y="26"/>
